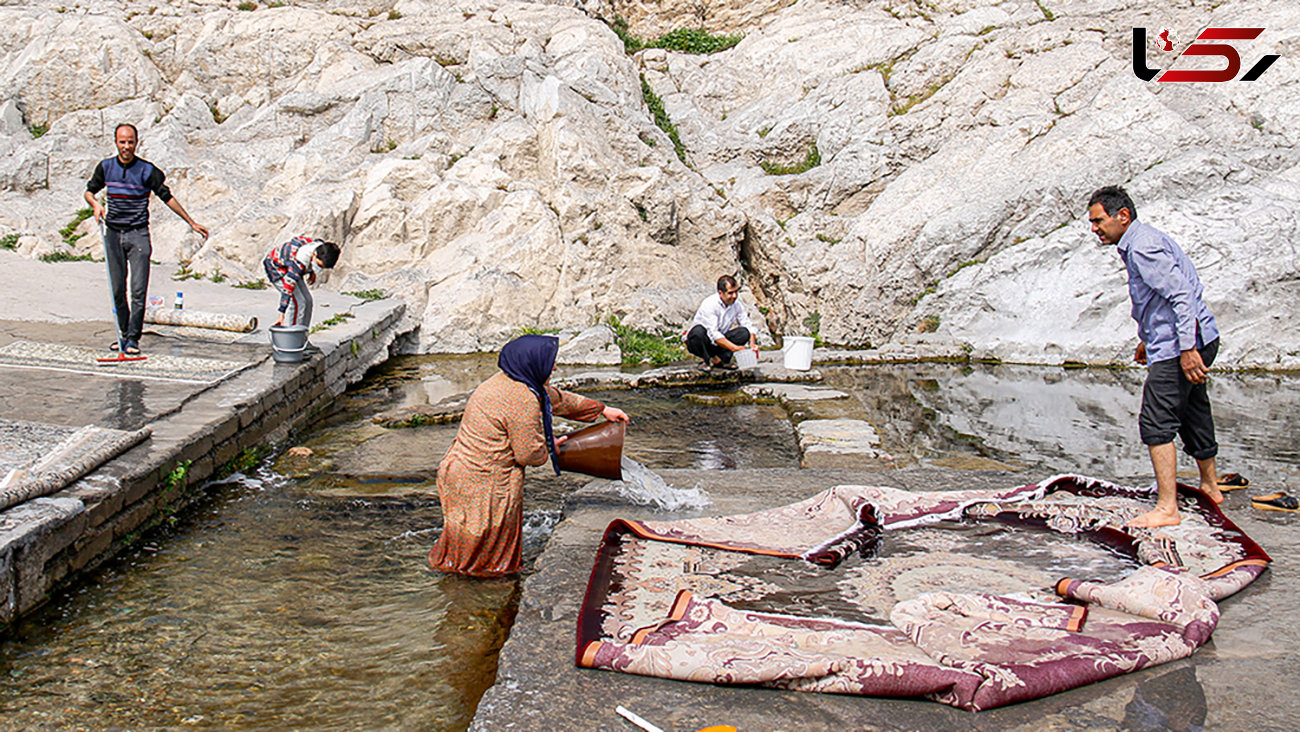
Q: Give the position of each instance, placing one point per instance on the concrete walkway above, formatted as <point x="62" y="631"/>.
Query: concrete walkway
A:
<point x="198" y="429"/>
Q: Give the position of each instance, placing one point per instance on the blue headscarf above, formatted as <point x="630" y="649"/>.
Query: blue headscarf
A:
<point x="529" y="359"/>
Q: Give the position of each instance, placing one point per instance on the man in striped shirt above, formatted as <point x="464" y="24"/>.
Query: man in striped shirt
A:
<point x="129" y="180"/>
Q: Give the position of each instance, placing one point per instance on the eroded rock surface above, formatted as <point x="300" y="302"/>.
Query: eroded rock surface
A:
<point x="496" y="163"/>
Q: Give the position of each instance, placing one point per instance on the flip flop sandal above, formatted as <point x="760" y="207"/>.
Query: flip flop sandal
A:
<point x="1232" y="482"/>
<point x="1276" y="502"/>
<point x="729" y="366"/>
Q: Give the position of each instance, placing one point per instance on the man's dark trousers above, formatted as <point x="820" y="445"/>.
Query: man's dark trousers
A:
<point x="128" y="249"/>
<point x="699" y="344"/>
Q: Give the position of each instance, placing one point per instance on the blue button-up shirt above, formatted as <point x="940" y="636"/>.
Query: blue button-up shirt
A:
<point x="1166" y="294"/>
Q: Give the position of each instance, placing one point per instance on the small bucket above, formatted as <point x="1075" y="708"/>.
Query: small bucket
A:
<point x="798" y="353"/>
<point x="288" y="343"/>
<point x="746" y="358"/>
<point x="596" y="450"/>
<point x="288" y="356"/>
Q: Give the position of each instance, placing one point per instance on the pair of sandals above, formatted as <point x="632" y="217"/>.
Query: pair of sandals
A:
<point x="1276" y="502"/>
<point x="725" y="366"/>
<point x="130" y="348"/>
<point x="1271" y="502"/>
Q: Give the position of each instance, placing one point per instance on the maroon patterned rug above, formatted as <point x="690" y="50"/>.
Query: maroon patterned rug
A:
<point x="971" y="598"/>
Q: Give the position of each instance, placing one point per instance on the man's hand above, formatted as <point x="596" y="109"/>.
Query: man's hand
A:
<point x="280" y="322"/>
<point x="1193" y="366"/>
<point x="311" y="278"/>
<point x="99" y="213"/>
<point x="614" y="414"/>
<point x="1140" y="355"/>
<point x="199" y="229"/>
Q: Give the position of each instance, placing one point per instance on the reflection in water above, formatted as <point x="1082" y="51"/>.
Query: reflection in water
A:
<point x="306" y="603"/>
<point x="272" y="609"/>
<point x="1174" y="700"/>
<point x="124" y="404"/>
<point x="1066" y="421"/>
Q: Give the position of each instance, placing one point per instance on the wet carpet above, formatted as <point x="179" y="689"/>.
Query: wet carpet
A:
<point x="976" y="598"/>
<point x="81" y="360"/>
<point x="39" y="459"/>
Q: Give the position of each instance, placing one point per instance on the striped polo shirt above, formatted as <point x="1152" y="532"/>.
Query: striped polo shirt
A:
<point x="128" y="191"/>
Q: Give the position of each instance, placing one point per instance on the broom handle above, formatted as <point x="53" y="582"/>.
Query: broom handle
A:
<point x="117" y="324"/>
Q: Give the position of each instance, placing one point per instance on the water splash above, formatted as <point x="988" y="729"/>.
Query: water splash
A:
<point x="644" y="487"/>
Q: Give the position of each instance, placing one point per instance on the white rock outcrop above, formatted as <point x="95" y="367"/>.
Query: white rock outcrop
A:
<point x="496" y="163"/>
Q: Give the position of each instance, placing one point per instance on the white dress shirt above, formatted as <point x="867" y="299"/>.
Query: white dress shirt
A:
<point x="717" y="318"/>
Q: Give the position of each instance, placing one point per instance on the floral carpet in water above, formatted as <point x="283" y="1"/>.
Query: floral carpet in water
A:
<point x="958" y="596"/>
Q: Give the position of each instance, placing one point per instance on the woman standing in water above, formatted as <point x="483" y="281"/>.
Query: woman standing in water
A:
<point x="507" y="425"/>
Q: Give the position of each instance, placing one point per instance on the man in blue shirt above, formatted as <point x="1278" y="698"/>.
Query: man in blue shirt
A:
<point x="129" y="180"/>
<point x="1177" y="339"/>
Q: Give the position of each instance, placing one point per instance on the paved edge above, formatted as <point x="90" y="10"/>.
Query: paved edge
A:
<point x="48" y="543"/>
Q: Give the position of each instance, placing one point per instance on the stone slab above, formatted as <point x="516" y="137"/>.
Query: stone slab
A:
<point x="791" y="392"/>
<point x="840" y="443"/>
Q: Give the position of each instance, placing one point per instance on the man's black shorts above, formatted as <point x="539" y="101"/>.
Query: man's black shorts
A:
<point x="1172" y="405"/>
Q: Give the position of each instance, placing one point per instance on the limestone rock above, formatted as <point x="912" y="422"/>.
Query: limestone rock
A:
<point x="594" y="346"/>
<point x="872" y="172"/>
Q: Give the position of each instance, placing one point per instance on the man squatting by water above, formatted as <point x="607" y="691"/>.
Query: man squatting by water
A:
<point x="720" y="327"/>
<point x="129" y="180"/>
<point x="1177" y="340"/>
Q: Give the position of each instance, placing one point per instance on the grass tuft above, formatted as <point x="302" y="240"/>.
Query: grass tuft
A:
<point x="656" y="106"/>
<point x="810" y="161"/>
<point x="639" y="346"/>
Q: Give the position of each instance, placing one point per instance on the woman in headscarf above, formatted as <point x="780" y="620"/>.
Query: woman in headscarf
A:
<point x="507" y="425"/>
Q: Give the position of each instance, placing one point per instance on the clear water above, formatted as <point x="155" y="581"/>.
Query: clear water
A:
<point x="644" y="487"/>
<point x="300" y="597"/>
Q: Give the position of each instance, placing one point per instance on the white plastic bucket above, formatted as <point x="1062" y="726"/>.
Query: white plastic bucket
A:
<point x="798" y="352"/>
<point x="746" y="358"/>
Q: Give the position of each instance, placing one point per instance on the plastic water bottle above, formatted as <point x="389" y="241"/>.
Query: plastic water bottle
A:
<point x="180" y="301"/>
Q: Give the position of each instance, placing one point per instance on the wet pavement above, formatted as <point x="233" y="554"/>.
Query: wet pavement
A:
<point x="198" y="427"/>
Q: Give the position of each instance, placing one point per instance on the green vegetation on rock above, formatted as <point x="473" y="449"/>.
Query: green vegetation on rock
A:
<point x="368" y="295"/>
<point x="640" y="347"/>
<point x="810" y="161"/>
<point x="68" y="232"/>
<point x="662" y="120"/>
<point x="686" y="40"/>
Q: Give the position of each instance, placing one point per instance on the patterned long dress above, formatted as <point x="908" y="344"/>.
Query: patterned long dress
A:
<point x="481" y="478"/>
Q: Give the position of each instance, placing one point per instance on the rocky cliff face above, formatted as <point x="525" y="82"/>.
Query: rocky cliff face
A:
<point x="496" y="163"/>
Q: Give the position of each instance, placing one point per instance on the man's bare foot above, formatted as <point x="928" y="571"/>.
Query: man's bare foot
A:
<point x="300" y="451"/>
<point x="1213" y="492"/>
<point x="1155" y="518"/>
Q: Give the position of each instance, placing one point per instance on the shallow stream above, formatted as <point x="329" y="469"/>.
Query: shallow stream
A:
<point x="299" y="596"/>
